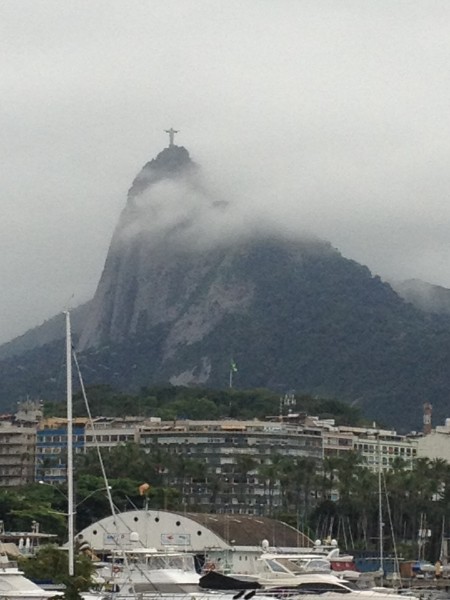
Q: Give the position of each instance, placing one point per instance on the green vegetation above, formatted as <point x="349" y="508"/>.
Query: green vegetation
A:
<point x="51" y="564"/>
<point x="176" y="402"/>
<point x="337" y="499"/>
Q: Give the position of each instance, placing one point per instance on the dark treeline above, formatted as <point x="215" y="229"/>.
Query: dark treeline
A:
<point x="176" y="402"/>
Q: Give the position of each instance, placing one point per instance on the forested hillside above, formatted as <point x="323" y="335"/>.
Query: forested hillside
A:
<point x="177" y="302"/>
<point x="169" y="403"/>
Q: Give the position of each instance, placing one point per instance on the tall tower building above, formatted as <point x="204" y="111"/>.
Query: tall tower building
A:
<point x="427" y="412"/>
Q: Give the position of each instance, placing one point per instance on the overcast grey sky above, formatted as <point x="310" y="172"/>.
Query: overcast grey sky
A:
<point x="330" y="116"/>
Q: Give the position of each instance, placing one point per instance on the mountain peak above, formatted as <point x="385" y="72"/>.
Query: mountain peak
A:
<point x="171" y="163"/>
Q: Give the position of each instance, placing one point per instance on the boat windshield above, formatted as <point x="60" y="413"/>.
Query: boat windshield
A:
<point x="184" y="562"/>
<point x="313" y="564"/>
<point x="283" y="565"/>
<point x="351" y="586"/>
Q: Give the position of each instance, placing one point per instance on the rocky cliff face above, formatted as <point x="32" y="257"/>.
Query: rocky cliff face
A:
<point x="158" y="271"/>
<point x="175" y="280"/>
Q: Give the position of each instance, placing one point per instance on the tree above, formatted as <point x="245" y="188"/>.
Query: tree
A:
<point x="270" y="472"/>
<point x="51" y="563"/>
<point x="244" y="464"/>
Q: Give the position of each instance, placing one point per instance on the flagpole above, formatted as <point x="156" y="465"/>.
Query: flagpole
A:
<point x="233" y="369"/>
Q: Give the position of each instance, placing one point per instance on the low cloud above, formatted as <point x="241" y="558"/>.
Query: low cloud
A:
<point x="316" y="118"/>
<point x="193" y="213"/>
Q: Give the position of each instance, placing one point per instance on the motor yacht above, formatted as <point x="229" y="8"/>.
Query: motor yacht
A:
<point x="307" y="586"/>
<point x="14" y="584"/>
<point x="274" y="568"/>
<point x="331" y="587"/>
<point x="149" y="570"/>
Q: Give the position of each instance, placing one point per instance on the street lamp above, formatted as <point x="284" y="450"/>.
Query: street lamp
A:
<point x="70" y="514"/>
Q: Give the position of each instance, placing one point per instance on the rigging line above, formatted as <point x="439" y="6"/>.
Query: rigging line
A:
<point x="102" y="465"/>
<point x="136" y="566"/>
<point x="350" y="532"/>
<point x="116" y="516"/>
<point x="391" y="525"/>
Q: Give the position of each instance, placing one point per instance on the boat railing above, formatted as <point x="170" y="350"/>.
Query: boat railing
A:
<point x="6" y="562"/>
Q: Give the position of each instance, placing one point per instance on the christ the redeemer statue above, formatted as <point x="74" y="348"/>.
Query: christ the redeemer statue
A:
<point x="171" y="133"/>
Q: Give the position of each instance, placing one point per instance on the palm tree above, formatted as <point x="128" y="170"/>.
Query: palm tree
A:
<point x="215" y="487"/>
<point x="329" y="479"/>
<point x="244" y="464"/>
<point x="267" y="472"/>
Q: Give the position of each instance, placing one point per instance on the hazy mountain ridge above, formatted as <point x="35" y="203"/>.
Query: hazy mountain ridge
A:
<point x="315" y="322"/>
<point x="424" y="295"/>
<point x="50" y="331"/>
<point x="175" y="304"/>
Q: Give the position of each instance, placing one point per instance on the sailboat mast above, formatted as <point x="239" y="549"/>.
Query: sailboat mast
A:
<point x="70" y="495"/>
<point x="380" y="510"/>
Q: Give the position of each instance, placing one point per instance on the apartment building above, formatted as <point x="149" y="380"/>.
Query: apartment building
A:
<point x="108" y="432"/>
<point x="238" y="455"/>
<point x="375" y="446"/>
<point x="51" y="448"/>
<point x="17" y="454"/>
<point x="18" y="444"/>
<point x="382" y="447"/>
<point x="436" y="443"/>
<point x="335" y="441"/>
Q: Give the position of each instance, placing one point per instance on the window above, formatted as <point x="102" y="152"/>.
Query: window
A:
<point x="275" y="566"/>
